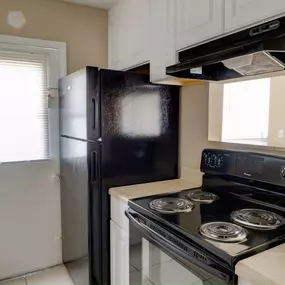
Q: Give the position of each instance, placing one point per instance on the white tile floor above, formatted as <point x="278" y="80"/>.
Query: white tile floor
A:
<point x="55" y="275"/>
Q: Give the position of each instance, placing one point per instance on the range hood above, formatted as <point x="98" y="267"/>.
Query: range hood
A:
<point x="251" y="52"/>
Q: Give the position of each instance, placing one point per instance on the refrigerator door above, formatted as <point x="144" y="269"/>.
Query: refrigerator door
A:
<point x="79" y="184"/>
<point x="139" y="137"/>
<point x="79" y="106"/>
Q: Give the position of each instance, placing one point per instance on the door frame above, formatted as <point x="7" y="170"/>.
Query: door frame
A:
<point x="48" y="46"/>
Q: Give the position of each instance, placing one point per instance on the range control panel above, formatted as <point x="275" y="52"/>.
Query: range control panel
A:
<point x="253" y="166"/>
<point x="213" y="160"/>
<point x="217" y="161"/>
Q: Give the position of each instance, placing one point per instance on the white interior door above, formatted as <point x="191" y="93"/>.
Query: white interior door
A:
<point x="30" y="218"/>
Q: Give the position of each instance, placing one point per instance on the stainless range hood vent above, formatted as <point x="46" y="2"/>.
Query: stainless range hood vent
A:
<point x="255" y="51"/>
<point x="254" y="64"/>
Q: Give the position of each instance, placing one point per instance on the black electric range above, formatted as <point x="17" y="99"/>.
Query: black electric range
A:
<point x="237" y="212"/>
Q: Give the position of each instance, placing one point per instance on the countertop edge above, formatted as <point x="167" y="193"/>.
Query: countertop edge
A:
<point x="125" y="193"/>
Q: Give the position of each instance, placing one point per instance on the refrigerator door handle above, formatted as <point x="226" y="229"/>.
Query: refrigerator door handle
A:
<point x="93" y="166"/>
<point x="93" y="113"/>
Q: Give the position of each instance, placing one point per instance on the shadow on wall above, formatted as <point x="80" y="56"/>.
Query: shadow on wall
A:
<point x="193" y="129"/>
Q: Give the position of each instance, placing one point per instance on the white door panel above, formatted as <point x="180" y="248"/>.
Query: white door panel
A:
<point x="29" y="218"/>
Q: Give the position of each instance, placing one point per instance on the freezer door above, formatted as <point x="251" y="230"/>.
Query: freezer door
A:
<point x="79" y="189"/>
<point x="139" y="129"/>
<point x="139" y="137"/>
<point x="79" y="104"/>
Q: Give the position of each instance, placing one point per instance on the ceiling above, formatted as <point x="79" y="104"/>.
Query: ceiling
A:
<point x="103" y="4"/>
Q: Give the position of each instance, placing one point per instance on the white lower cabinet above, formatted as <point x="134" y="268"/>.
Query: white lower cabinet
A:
<point x="118" y="216"/>
<point x="119" y="255"/>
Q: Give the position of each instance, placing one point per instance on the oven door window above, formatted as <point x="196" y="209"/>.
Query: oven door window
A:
<point x="149" y="264"/>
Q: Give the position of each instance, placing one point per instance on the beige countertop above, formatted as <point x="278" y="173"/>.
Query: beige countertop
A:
<point x="265" y="268"/>
<point x="146" y="189"/>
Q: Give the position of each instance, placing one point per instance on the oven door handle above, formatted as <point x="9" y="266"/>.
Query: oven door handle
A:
<point x="149" y="232"/>
<point x="161" y="240"/>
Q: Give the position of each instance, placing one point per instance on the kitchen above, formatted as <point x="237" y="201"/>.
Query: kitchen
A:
<point x="194" y="100"/>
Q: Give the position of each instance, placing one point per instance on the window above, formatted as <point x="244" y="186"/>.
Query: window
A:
<point x="246" y="111"/>
<point x="24" y="126"/>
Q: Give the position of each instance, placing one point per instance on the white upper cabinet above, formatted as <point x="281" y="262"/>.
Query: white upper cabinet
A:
<point x="129" y="31"/>
<point x="162" y="38"/>
<point x="117" y="45"/>
<point x="139" y="26"/>
<point x="154" y="31"/>
<point x="198" y="21"/>
<point x="240" y="13"/>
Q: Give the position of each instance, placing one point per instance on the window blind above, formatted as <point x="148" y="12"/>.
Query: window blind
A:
<point x="24" y="130"/>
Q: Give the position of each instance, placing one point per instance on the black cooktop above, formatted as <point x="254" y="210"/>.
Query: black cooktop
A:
<point x="230" y="198"/>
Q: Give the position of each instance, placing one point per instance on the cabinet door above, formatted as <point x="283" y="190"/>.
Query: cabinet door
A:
<point x="112" y="51"/>
<point x="118" y="35"/>
<point x="119" y="255"/>
<point x="240" y="13"/>
<point x="138" y="31"/>
<point x="115" y="29"/>
<point x="129" y="30"/>
<point x="198" y="21"/>
<point x="162" y="38"/>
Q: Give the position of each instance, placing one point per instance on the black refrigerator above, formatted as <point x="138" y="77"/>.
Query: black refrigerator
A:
<point x="116" y="129"/>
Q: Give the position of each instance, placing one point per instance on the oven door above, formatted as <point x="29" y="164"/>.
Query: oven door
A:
<point x="157" y="260"/>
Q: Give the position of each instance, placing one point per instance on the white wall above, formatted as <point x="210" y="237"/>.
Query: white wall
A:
<point x="84" y="29"/>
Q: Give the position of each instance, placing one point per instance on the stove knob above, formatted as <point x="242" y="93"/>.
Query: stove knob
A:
<point x="214" y="162"/>
<point x="282" y="171"/>
<point x="219" y="162"/>
<point x="205" y="157"/>
<point x="208" y="160"/>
